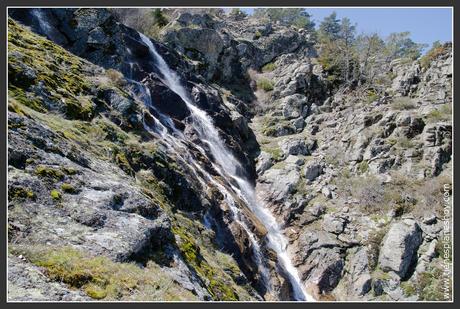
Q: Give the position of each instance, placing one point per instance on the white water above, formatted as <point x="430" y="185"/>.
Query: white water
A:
<point x="228" y="166"/>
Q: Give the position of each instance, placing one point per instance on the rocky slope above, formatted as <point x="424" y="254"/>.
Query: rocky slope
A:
<point x="107" y="167"/>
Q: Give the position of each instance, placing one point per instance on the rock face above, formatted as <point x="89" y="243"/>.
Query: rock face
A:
<point x="399" y="250"/>
<point x="103" y="158"/>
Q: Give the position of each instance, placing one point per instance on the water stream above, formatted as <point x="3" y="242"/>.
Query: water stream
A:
<point x="228" y="166"/>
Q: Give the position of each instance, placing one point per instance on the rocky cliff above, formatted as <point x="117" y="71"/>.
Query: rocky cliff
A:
<point x="116" y="193"/>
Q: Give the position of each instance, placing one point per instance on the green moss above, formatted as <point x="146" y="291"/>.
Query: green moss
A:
<point x="275" y="152"/>
<point x="49" y="172"/>
<point x="123" y="163"/>
<point x="26" y="98"/>
<point x="20" y="192"/>
<point x="60" y="74"/>
<point x="217" y="287"/>
<point x="102" y="278"/>
<point x="69" y="170"/>
<point x="68" y="188"/>
<point x="56" y="195"/>
<point x="79" y="108"/>
<point x="95" y="291"/>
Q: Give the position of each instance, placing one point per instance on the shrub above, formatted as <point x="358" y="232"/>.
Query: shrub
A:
<point x="444" y="113"/>
<point x="432" y="54"/>
<point x="116" y="77"/>
<point x="68" y="188"/>
<point x="265" y="84"/>
<point x="372" y="96"/>
<point x="268" y="67"/>
<point x="404" y="142"/>
<point x="403" y="103"/>
<point x="56" y="195"/>
<point x="363" y="167"/>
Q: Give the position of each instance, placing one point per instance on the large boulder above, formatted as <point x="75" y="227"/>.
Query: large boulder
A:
<point x="297" y="146"/>
<point x="295" y="106"/>
<point x="399" y="249"/>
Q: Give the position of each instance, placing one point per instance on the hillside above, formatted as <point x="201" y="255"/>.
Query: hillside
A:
<point x="219" y="159"/>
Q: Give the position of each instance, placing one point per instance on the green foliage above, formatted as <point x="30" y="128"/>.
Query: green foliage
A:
<point x="265" y="84"/>
<point x="400" y="45"/>
<point x="330" y="27"/>
<point x="269" y="67"/>
<point x="429" y="285"/>
<point x="287" y="16"/>
<point x="405" y="143"/>
<point x="372" y="96"/>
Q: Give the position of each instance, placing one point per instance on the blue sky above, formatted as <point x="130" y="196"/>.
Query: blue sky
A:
<point x="426" y="25"/>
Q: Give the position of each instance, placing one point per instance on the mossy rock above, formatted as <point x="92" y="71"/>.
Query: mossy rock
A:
<point x="49" y="172"/>
<point x="20" y="193"/>
<point x="56" y="195"/>
<point x="68" y="188"/>
<point x="101" y="278"/>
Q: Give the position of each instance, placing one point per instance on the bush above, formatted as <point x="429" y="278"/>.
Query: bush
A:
<point x="403" y="103"/>
<point x="265" y="84"/>
<point x="268" y="67"/>
<point x="115" y="76"/>
<point x="432" y="54"/>
<point x="444" y="113"/>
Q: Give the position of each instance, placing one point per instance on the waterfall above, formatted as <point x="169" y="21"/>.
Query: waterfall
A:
<point x="228" y="166"/>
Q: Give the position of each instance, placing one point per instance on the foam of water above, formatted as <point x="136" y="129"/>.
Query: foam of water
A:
<point x="229" y="166"/>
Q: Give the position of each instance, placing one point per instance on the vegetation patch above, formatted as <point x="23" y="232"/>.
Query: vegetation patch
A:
<point x="269" y="67"/>
<point x="102" y="278"/>
<point x="216" y="285"/>
<point x="403" y="103"/>
<point x="443" y="113"/>
<point x="56" y="195"/>
<point x="49" y="172"/>
<point x="21" y="193"/>
<point x="265" y="84"/>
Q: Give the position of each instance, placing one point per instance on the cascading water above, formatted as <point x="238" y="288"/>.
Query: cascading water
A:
<point x="228" y="166"/>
